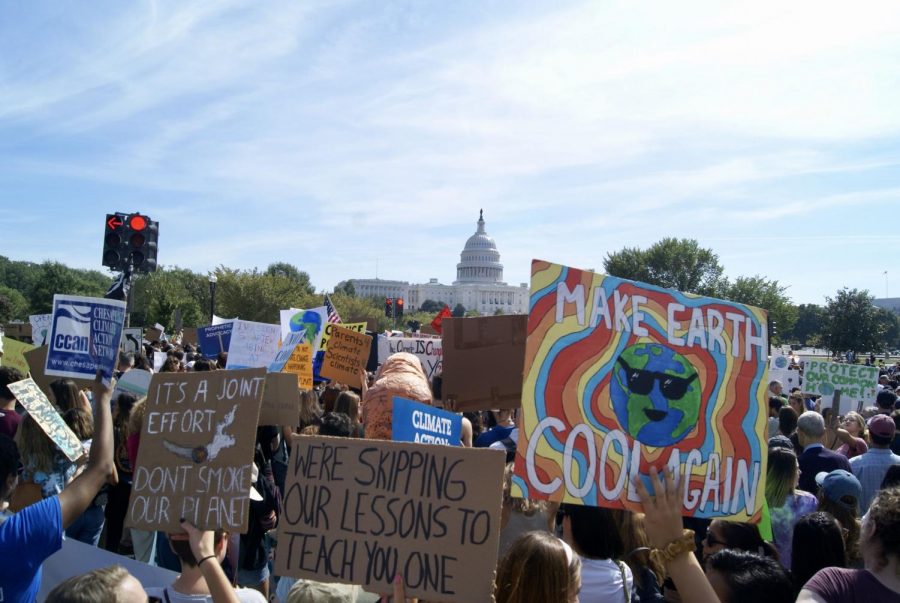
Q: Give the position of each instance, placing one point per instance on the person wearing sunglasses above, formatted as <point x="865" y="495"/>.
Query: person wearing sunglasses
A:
<point x="737" y="535"/>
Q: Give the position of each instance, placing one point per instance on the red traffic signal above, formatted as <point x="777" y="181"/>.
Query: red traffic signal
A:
<point x="137" y="222"/>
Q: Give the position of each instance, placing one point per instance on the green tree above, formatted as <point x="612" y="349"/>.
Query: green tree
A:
<point x="346" y="287"/>
<point x="673" y="263"/>
<point x="54" y="277"/>
<point x="459" y="311"/>
<point x="252" y="295"/>
<point x="13" y="305"/>
<point x="809" y="324"/>
<point x="157" y="296"/>
<point x="888" y="328"/>
<point x="429" y="305"/>
<point x="766" y="294"/>
<point x="851" y="322"/>
<point x="292" y="273"/>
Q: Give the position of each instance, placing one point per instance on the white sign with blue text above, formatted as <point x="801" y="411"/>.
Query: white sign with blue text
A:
<point x="417" y="422"/>
<point x="85" y="334"/>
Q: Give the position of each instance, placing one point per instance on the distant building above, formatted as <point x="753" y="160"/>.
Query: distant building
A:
<point x="888" y="303"/>
<point x="478" y="286"/>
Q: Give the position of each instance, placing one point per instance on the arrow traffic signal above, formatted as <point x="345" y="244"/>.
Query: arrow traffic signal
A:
<point x="130" y="240"/>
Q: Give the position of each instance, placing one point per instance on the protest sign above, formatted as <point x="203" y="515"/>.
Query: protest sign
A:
<point x="858" y="383"/>
<point x="47" y="417"/>
<point x="286" y="350"/>
<point x="85" y="336"/>
<point x="281" y="400"/>
<point x="301" y="364"/>
<point x="152" y="334"/>
<point x="413" y="421"/>
<point x="364" y="511"/>
<point x="346" y="356"/>
<point x="17" y="330"/>
<point x="159" y="359"/>
<point x="131" y="340"/>
<point x="214" y="339"/>
<point x="135" y="382"/>
<point x="312" y="322"/>
<point x="788" y="378"/>
<point x="779" y="362"/>
<point x="37" y="359"/>
<point x="622" y="376"/>
<point x="14" y="354"/>
<point x="253" y="344"/>
<point x="483" y="362"/>
<point x="359" y="327"/>
<point x="189" y="335"/>
<point x="196" y="451"/>
<point x="40" y="328"/>
<point x="428" y="351"/>
<point x="218" y="320"/>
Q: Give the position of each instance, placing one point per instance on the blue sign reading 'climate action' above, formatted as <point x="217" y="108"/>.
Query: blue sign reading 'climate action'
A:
<point x="417" y="422"/>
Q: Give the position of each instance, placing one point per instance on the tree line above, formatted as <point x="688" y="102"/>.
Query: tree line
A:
<point x="847" y="322"/>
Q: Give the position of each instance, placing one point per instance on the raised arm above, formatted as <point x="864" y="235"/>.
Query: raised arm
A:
<point x="77" y="496"/>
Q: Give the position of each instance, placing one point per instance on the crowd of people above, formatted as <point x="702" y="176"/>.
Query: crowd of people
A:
<point x="832" y="491"/>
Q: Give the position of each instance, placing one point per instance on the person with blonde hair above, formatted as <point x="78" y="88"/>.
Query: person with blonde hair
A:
<point x="647" y="571"/>
<point x="786" y="503"/>
<point x="45" y="465"/>
<point x="852" y="435"/>
<point x="538" y="567"/>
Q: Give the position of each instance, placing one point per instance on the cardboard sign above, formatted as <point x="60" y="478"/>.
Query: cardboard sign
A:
<point x="40" y="328"/>
<point x="14" y="354"/>
<point x="346" y="356"/>
<point x="362" y="511"/>
<point x="253" y="344"/>
<point x="131" y="340"/>
<point x="47" y="417"/>
<point x="37" y="359"/>
<point x="281" y="400"/>
<point x="311" y="322"/>
<point x="858" y="383"/>
<point x="214" y="339"/>
<point x="189" y="335"/>
<point x="621" y="376"/>
<point x="416" y="422"/>
<point x="85" y="337"/>
<point x="135" y="382"/>
<point x="159" y="359"/>
<point x="196" y="451"/>
<point x="789" y="379"/>
<point x="429" y="351"/>
<point x="287" y="349"/>
<point x="328" y="331"/>
<point x="152" y="334"/>
<point x="301" y="364"/>
<point x="17" y="330"/>
<point x="483" y="362"/>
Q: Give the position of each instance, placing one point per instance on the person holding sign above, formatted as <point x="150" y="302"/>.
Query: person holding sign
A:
<point x="28" y="537"/>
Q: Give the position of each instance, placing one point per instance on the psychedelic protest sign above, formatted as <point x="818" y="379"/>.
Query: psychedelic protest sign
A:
<point x="85" y="336"/>
<point x="196" y="451"/>
<point x="413" y="421"/>
<point x="47" y="417"/>
<point x="622" y="376"/>
<point x="363" y="511"/>
<point x="346" y="356"/>
<point x="253" y="344"/>
<point x="214" y="339"/>
<point x="429" y="351"/>
<point x="858" y="383"/>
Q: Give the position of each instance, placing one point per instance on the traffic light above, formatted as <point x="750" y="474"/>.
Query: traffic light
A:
<point x="140" y="236"/>
<point x="399" y="304"/>
<point x="389" y="307"/>
<point x="112" y="241"/>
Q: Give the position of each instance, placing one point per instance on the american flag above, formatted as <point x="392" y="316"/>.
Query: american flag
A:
<point x="331" y="311"/>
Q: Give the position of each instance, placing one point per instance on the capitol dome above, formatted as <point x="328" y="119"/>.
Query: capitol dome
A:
<point x="479" y="260"/>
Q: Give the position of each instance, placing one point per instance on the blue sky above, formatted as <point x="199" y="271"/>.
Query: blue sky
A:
<point x="336" y="134"/>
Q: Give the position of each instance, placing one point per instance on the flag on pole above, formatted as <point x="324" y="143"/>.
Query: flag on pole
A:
<point x="330" y="310"/>
<point x="436" y="323"/>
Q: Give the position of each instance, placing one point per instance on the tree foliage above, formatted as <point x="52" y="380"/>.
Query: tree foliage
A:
<point x="672" y="263"/>
<point x="809" y="324"/>
<point x="851" y="322"/>
<point x="459" y="311"/>
<point x="13" y="305"/>
<point x="430" y="305"/>
<point x="766" y="294"/>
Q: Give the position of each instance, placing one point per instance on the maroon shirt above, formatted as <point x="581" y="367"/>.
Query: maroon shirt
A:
<point x="9" y="422"/>
<point x="838" y="585"/>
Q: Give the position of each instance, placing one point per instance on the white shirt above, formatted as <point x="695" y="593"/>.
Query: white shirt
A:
<point x="601" y="580"/>
<point x="170" y="595"/>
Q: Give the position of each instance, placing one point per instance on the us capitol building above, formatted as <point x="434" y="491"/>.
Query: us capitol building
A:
<point x="478" y="286"/>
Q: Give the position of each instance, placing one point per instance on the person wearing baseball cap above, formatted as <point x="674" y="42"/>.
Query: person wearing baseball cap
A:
<point x="840" y="487"/>
<point x="869" y="468"/>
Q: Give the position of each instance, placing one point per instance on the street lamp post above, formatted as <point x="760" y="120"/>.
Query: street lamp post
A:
<point x="212" y="296"/>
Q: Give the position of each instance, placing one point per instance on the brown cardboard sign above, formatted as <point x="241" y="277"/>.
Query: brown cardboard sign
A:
<point x="19" y="330"/>
<point x="47" y="417"/>
<point x="189" y="335"/>
<point x="301" y="364"/>
<point x="362" y="511"/>
<point x="281" y="400"/>
<point x="484" y="358"/>
<point x="152" y="334"/>
<point x="37" y="360"/>
<point x="196" y="451"/>
<point x="347" y="355"/>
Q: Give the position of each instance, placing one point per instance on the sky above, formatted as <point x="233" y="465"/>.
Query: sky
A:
<point x="353" y="137"/>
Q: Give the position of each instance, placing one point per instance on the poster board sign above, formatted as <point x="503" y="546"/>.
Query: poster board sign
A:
<point x="85" y="336"/>
<point x="196" y="451"/>
<point x="621" y="376"/>
<point x="281" y="400"/>
<point x="328" y="331"/>
<point x="135" y="382"/>
<point x="483" y="362"/>
<point x="253" y="344"/>
<point x="413" y="421"/>
<point x="442" y="535"/>
<point x="429" y="351"/>
<point x="858" y="383"/>
<point x="40" y="328"/>
<point x="218" y="320"/>
<point x="214" y="339"/>
<point x="286" y="350"/>
<point x="37" y="359"/>
<point x="189" y="335"/>
<point x="779" y="362"/>
<point x="152" y="334"/>
<point x="789" y="379"/>
<point x="346" y="356"/>
<point x="301" y="364"/>
<point x="47" y="417"/>
<point x="14" y="354"/>
<point x="312" y="322"/>
<point x="131" y="339"/>
<point x="159" y="359"/>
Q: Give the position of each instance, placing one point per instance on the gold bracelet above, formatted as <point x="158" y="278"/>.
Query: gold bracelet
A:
<point x="682" y="544"/>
